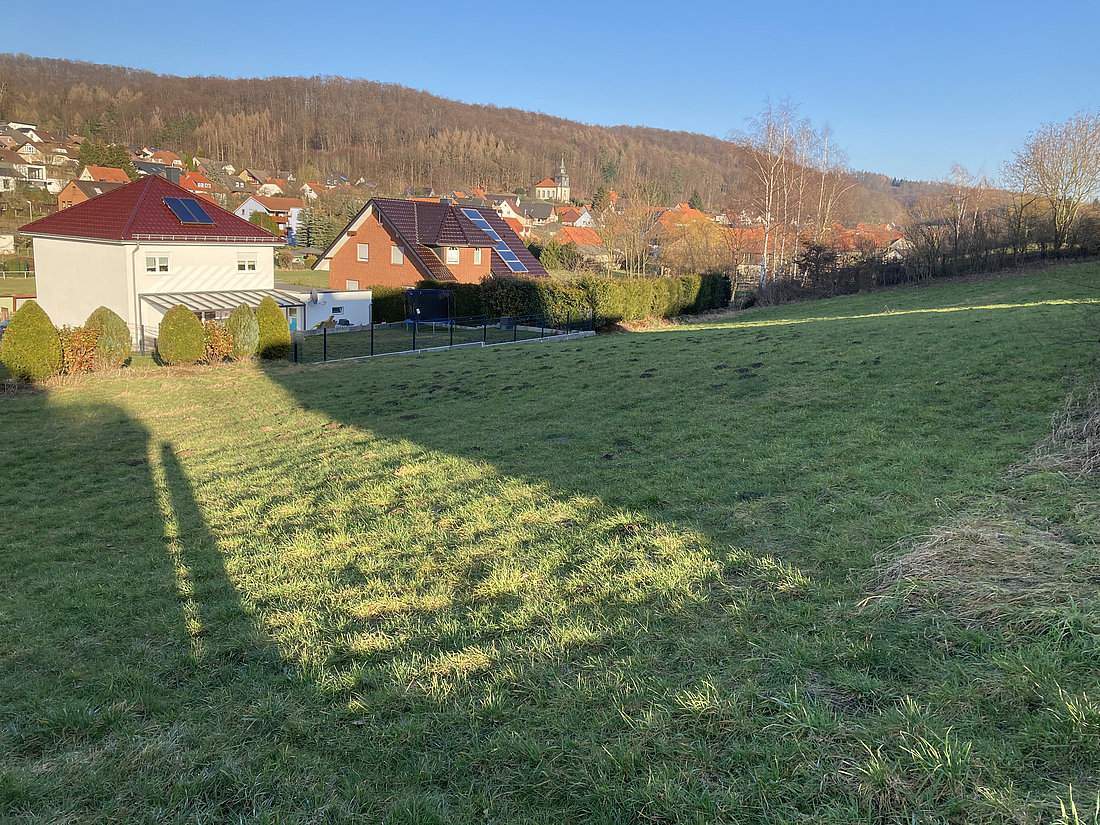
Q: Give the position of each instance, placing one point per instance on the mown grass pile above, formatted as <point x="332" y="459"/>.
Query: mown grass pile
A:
<point x="796" y="565"/>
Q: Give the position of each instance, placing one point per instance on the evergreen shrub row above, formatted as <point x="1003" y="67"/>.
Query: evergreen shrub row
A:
<point x="607" y="300"/>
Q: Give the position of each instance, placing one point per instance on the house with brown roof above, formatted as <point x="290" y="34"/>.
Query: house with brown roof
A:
<point x="105" y="174"/>
<point x="144" y="247"/>
<point x="78" y="191"/>
<point x="394" y="242"/>
<point x="165" y="158"/>
<point x="284" y="211"/>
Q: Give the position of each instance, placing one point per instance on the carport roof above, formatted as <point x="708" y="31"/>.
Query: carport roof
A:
<point x="219" y="299"/>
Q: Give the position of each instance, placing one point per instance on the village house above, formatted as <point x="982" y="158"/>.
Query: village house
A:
<point x="142" y="248"/>
<point x="78" y="191"/>
<point x="105" y="174"/>
<point x="395" y="242"/>
<point x="198" y="184"/>
<point x="284" y="211"/>
<point x="28" y="172"/>
<point x="588" y="241"/>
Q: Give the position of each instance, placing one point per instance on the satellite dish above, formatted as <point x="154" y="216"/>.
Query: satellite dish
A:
<point x="313" y="297"/>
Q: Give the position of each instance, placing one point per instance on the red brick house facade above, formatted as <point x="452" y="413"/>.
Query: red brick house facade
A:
<point x="396" y="243"/>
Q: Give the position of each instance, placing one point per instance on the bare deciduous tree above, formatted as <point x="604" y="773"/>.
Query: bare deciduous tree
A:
<point x="1061" y="163"/>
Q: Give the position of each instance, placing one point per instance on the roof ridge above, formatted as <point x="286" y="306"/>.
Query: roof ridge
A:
<point x="137" y="206"/>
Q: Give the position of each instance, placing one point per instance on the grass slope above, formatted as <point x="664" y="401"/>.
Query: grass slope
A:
<point x="632" y="578"/>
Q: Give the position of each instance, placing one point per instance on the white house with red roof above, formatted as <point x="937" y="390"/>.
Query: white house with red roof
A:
<point x="147" y="246"/>
<point x="555" y="188"/>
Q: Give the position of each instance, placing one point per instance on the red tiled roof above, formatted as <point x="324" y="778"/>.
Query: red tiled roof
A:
<point x="518" y="227"/>
<point x="546" y="184"/>
<point x="107" y="174"/>
<point x="570" y="216"/>
<point x="137" y="210"/>
<point x="581" y="236"/>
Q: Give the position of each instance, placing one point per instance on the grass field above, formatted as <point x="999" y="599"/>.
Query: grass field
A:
<point x="398" y="337"/>
<point x="801" y="565"/>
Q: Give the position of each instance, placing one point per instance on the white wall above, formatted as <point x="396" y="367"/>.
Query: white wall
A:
<point x="74" y="277"/>
<point x="356" y="304"/>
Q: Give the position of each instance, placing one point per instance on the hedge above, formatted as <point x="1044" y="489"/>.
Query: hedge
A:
<point x="387" y="303"/>
<point x="31" y="347"/>
<point x="607" y="300"/>
<point x="180" y="337"/>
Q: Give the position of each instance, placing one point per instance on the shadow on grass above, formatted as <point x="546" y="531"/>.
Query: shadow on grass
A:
<point x="610" y="584"/>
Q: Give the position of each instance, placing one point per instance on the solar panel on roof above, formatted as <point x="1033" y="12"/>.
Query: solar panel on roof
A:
<point x="188" y="210"/>
<point x="502" y="249"/>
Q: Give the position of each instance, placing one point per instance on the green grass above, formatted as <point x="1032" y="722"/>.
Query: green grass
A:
<point x="317" y="279"/>
<point x="638" y="577"/>
<point x="398" y="337"/>
<point x="17" y="286"/>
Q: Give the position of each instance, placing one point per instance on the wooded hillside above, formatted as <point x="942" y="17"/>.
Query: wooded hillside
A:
<point x="390" y="135"/>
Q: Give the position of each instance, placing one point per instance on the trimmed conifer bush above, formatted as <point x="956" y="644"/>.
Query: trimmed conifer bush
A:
<point x="31" y="347"/>
<point x="115" y="343"/>
<point x="180" y="339"/>
<point x="244" y="331"/>
<point x="274" y="330"/>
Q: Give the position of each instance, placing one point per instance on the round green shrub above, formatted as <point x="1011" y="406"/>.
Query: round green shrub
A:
<point x="245" y="332"/>
<point x="180" y="339"/>
<point x="114" y="345"/>
<point x="274" y="331"/>
<point x="31" y="347"/>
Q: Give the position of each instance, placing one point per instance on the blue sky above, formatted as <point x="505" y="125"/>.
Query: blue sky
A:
<point x="907" y="90"/>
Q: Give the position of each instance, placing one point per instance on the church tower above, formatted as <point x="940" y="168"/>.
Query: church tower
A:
<point x="562" y="183"/>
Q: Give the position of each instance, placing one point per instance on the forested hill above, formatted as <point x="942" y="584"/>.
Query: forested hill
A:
<point x="390" y="135"/>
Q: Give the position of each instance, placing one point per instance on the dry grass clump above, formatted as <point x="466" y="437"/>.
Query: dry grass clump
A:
<point x="1073" y="446"/>
<point x="992" y="568"/>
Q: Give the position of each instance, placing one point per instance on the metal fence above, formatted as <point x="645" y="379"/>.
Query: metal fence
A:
<point x="340" y="342"/>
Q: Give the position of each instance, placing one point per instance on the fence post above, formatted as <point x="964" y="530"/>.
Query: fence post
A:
<point x="324" y="343"/>
<point x="484" y="330"/>
<point x="372" y="333"/>
<point x="141" y="338"/>
<point x="452" y="326"/>
<point x="296" y="361"/>
<point x="542" y="326"/>
<point x="515" y="327"/>
<point x="568" y="321"/>
<point x="414" y="334"/>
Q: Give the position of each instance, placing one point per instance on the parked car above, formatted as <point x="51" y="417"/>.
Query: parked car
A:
<point x="4" y="326"/>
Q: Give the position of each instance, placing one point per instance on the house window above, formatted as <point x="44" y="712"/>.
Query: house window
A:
<point x="452" y="254"/>
<point x="246" y="264"/>
<point x="477" y="256"/>
<point x="337" y="310"/>
<point x="352" y="284"/>
<point x="364" y="251"/>
<point x="397" y="255"/>
<point x="156" y="264"/>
